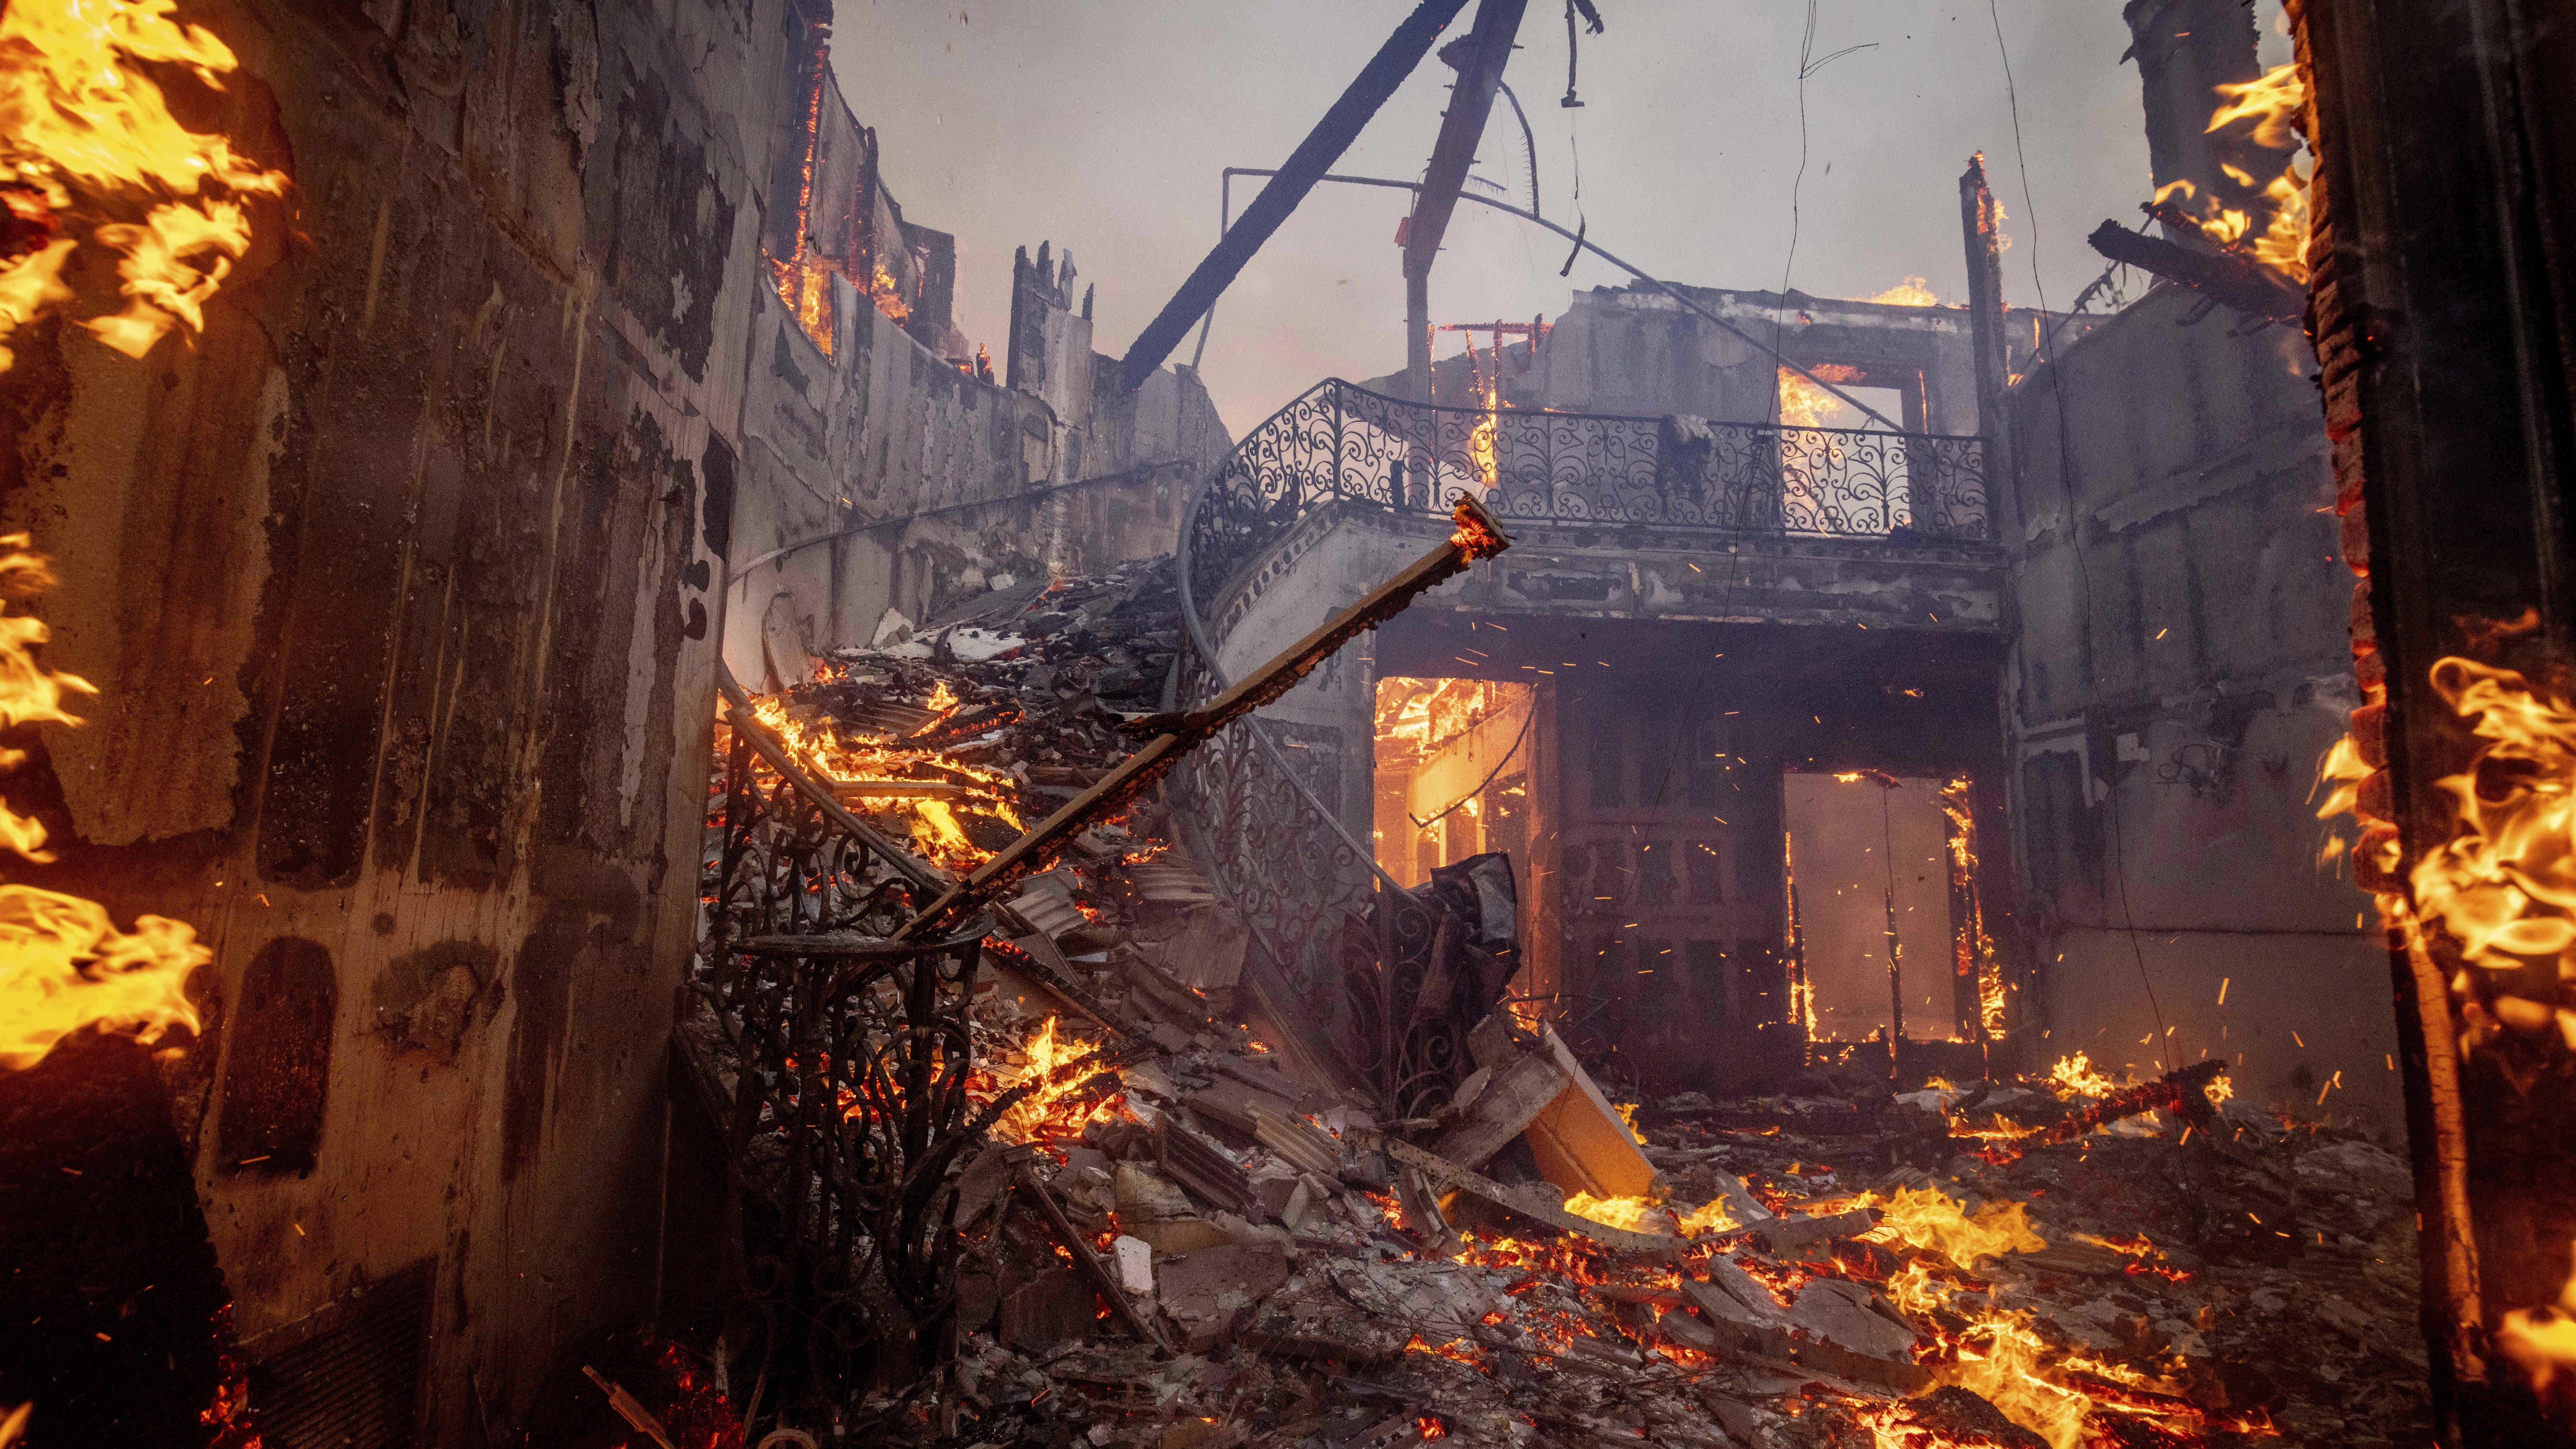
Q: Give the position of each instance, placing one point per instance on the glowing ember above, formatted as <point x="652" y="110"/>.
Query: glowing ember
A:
<point x="935" y="795"/>
<point x="64" y="966"/>
<point x="88" y="145"/>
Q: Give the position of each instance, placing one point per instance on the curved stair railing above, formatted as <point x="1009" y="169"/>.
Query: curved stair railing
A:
<point x="1305" y="886"/>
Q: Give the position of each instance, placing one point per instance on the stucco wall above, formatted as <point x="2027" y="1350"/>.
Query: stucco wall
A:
<point x="2175" y="685"/>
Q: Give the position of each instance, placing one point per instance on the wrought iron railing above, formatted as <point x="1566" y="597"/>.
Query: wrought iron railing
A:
<point x="836" y="1061"/>
<point x="1678" y="478"/>
<point x="1307" y="888"/>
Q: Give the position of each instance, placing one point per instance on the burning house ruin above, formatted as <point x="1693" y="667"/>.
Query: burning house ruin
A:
<point x="619" y="835"/>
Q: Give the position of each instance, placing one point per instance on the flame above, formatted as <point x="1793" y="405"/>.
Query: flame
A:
<point x="1912" y="292"/>
<point x="87" y="140"/>
<point x="1804" y="404"/>
<point x="1636" y="1214"/>
<point x="64" y="966"/>
<point x="14" y="1424"/>
<point x="887" y="292"/>
<point x="922" y="784"/>
<point x="1927" y="1217"/>
<point x="2504" y="884"/>
<point x="2542" y="1343"/>
<point x="2273" y="102"/>
<point x="1431" y="1426"/>
<point x="2075" y="1075"/>
<point x="1709" y="1218"/>
<point x="1975" y="949"/>
<point x="1061" y="1064"/>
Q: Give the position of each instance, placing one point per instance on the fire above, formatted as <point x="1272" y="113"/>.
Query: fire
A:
<point x="2076" y="1076"/>
<point x="933" y="793"/>
<point x="2273" y="103"/>
<point x="88" y="143"/>
<point x="2504" y="883"/>
<point x="1803" y="404"/>
<point x="1975" y="949"/>
<point x="1929" y="1218"/>
<point x="64" y="966"/>
<point x="2541" y="1342"/>
<point x="1636" y="1214"/>
<point x="1060" y="1064"/>
<point x="1912" y="292"/>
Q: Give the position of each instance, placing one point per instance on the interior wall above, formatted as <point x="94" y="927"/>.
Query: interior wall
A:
<point x="1842" y="836"/>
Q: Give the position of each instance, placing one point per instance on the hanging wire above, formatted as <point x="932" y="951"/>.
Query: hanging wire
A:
<point x="2075" y="537"/>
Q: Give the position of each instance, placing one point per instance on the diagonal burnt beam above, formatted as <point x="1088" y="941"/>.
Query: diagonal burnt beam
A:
<point x="2232" y="281"/>
<point x="1313" y="157"/>
<point x="1174" y="735"/>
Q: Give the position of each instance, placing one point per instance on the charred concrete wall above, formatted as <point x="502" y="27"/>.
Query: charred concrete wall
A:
<point x="1637" y="352"/>
<point x="2180" y="669"/>
<point x="880" y="478"/>
<point x="403" y="584"/>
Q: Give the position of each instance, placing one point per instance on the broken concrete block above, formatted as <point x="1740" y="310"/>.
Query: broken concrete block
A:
<point x="1049" y="1311"/>
<point x="1275" y="1193"/>
<point x="1135" y="1261"/>
<point x="1177" y="1235"/>
<point x="1581" y="1141"/>
<point x="1839" y="1312"/>
<point x="1144" y="1195"/>
<point x="1209" y="1291"/>
<point x="1512" y="1098"/>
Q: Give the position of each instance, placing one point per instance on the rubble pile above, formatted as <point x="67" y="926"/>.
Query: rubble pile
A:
<point x="1857" y="1273"/>
<point x="1176" y="1240"/>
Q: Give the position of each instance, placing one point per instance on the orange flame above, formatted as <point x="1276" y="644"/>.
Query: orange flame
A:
<point x="925" y="786"/>
<point x="2273" y="102"/>
<point x="85" y="135"/>
<point x="64" y="966"/>
<point x="1912" y="292"/>
<point x="2076" y="1075"/>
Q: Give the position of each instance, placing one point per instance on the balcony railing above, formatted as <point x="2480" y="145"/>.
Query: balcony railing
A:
<point x="1676" y="479"/>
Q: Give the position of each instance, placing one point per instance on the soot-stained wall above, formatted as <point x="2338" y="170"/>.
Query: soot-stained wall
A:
<point x="402" y="585"/>
<point x="2181" y="666"/>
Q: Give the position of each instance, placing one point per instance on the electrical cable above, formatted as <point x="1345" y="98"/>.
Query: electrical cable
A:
<point x="2075" y="535"/>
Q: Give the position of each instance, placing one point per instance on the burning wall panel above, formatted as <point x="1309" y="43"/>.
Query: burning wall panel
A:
<point x="404" y="578"/>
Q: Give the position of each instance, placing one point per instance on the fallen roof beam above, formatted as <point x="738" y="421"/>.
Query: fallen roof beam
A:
<point x="1296" y="176"/>
<point x="1174" y="735"/>
<point x="2230" y="280"/>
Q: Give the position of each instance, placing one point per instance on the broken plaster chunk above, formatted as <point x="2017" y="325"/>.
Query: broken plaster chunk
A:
<point x="1135" y="1264"/>
<point x="1208" y="1291"/>
<point x="1144" y="1195"/>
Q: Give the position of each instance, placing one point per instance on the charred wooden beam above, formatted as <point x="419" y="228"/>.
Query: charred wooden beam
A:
<point x="2230" y="280"/>
<point x="1479" y="59"/>
<point x="1103" y="1278"/>
<point x="1305" y="166"/>
<point x="1174" y="735"/>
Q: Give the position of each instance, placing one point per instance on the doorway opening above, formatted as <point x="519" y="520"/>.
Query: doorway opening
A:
<point x="1453" y="773"/>
<point x="1881" y="901"/>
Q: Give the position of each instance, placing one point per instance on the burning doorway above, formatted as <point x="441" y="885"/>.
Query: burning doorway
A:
<point x="1454" y="768"/>
<point x="1872" y="892"/>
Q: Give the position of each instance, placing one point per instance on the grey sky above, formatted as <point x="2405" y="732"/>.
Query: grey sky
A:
<point x="1102" y="125"/>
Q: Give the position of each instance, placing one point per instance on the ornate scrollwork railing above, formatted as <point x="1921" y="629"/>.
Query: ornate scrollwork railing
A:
<point x="836" y="1061"/>
<point x="1679" y="478"/>
<point x="1307" y="888"/>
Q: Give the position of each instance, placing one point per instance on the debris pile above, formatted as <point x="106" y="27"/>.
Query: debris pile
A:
<point x="1178" y="1238"/>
